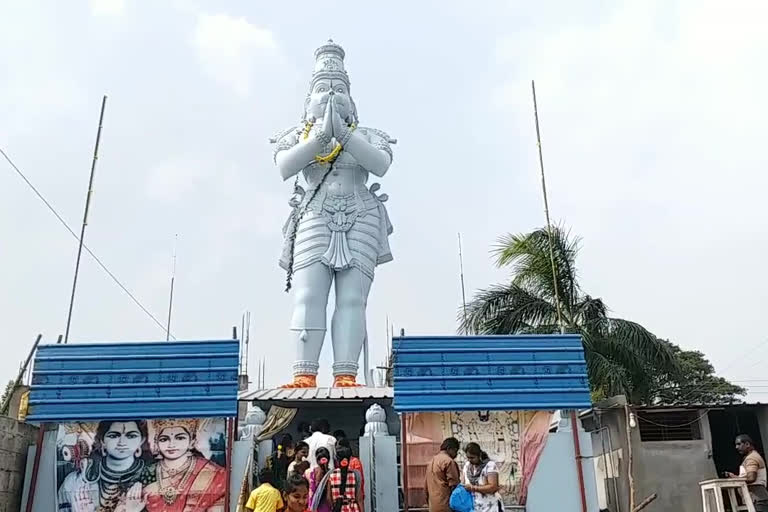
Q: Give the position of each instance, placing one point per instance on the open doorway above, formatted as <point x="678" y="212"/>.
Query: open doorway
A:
<point x="725" y="425"/>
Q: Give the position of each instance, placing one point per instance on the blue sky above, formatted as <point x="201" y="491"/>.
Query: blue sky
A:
<point x="652" y="115"/>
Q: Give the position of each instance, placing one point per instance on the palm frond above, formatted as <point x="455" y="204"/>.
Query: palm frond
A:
<point x="588" y="310"/>
<point x="606" y="376"/>
<point x="529" y="256"/>
<point x="506" y="310"/>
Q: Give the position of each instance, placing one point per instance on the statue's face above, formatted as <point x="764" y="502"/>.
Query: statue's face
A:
<point x="321" y="92"/>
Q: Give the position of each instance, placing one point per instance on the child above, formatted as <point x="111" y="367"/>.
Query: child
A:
<point x="265" y="498"/>
<point x="295" y="494"/>
<point x="300" y="469"/>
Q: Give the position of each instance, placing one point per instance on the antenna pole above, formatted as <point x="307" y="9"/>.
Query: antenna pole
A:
<point x="461" y="275"/>
<point x="170" y="301"/>
<point x="85" y="218"/>
<point x="247" y="339"/>
<point x="546" y="211"/>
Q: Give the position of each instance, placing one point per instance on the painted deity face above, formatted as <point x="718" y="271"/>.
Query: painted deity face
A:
<point x="122" y="440"/>
<point x="296" y="501"/>
<point x="174" y="442"/>
<point x="320" y="94"/>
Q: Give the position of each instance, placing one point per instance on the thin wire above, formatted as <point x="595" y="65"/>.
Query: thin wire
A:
<point x="88" y="250"/>
<point x="706" y="411"/>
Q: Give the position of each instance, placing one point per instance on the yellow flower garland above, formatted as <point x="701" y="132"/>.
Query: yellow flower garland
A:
<point x="330" y="157"/>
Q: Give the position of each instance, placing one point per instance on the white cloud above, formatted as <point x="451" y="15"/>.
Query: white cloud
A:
<point x="227" y="47"/>
<point x="107" y="7"/>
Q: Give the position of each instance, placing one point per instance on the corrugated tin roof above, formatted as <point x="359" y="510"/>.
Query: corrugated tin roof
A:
<point x="95" y="381"/>
<point x="470" y="373"/>
<point x="318" y="394"/>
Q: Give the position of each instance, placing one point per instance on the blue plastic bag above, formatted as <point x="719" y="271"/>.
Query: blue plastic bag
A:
<point x="462" y="500"/>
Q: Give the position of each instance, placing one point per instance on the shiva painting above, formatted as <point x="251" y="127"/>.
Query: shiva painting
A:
<point x="136" y="465"/>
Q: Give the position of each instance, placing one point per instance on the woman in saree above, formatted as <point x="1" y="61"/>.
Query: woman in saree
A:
<point x="183" y="479"/>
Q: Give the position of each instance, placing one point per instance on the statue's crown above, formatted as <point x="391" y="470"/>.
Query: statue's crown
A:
<point x="329" y="63"/>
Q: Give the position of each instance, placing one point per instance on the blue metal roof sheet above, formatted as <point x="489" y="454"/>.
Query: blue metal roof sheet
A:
<point x="470" y="373"/>
<point x="144" y="380"/>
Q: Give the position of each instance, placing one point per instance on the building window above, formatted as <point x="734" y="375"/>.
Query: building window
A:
<point x="670" y="425"/>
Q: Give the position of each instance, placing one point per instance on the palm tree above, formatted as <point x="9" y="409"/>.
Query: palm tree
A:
<point x="621" y="355"/>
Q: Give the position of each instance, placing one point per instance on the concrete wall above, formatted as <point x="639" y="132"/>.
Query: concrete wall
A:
<point x="671" y="469"/>
<point x="555" y="483"/>
<point x="379" y="458"/>
<point x="15" y="439"/>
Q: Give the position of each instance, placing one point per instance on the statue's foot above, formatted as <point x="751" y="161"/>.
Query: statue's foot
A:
<point x="302" y="381"/>
<point x="345" y="381"/>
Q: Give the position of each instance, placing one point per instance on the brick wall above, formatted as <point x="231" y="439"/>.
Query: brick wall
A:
<point x="15" y="439"/>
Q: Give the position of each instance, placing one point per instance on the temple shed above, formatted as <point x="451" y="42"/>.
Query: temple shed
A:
<point x="502" y="392"/>
<point x="79" y="391"/>
<point x="344" y="408"/>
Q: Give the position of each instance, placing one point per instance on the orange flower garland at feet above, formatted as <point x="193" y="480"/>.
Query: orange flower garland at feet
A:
<point x="345" y="381"/>
<point x="302" y="381"/>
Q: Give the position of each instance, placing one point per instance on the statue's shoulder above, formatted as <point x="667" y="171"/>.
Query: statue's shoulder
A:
<point x="287" y="133"/>
<point x="376" y="135"/>
<point x="379" y="138"/>
<point x="285" y="139"/>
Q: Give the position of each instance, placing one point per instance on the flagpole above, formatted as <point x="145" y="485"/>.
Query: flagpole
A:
<point x="546" y="212"/>
<point x="85" y="218"/>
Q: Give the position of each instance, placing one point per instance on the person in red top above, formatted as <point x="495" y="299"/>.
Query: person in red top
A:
<point x="354" y="463"/>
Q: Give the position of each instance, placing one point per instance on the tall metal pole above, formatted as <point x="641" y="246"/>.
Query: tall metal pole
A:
<point x="546" y="212"/>
<point x="461" y="273"/>
<point x="85" y="218"/>
<point x="170" y="300"/>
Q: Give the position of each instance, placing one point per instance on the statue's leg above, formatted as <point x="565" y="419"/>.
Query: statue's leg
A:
<point x="348" y="329"/>
<point x="310" y="300"/>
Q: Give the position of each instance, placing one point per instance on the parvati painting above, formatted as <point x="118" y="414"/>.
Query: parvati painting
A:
<point x="137" y="465"/>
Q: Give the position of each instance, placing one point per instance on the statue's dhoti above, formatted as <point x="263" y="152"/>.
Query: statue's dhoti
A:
<point x="340" y="231"/>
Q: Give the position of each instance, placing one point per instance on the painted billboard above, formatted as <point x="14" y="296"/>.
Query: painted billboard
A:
<point x="173" y="465"/>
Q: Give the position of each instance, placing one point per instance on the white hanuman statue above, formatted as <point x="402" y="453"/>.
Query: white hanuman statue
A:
<point x="338" y="230"/>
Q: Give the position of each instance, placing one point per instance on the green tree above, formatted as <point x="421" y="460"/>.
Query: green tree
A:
<point x="8" y="391"/>
<point x="695" y="383"/>
<point x="618" y="352"/>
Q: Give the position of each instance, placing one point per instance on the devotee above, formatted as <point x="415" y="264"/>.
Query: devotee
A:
<point x="318" y="478"/>
<point x="354" y="462"/>
<point x="343" y="487"/>
<point x="265" y="498"/>
<point x="295" y="494"/>
<point x="442" y="476"/>
<point x="481" y="477"/>
<point x="279" y="461"/>
<point x="301" y="452"/>
<point x="753" y="470"/>
<point x="321" y="438"/>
